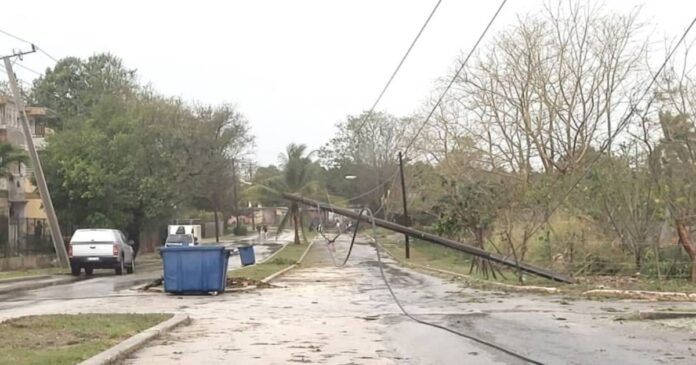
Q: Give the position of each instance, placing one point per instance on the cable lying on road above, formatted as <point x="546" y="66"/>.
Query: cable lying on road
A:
<point x="407" y="314"/>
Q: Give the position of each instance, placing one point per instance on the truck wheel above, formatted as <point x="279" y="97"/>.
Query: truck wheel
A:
<point x="119" y="268"/>
<point x="89" y="271"/>
<point x="75" y="270"/>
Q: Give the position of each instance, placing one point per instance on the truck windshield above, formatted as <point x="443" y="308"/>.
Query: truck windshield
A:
<point x="179" y="238"/>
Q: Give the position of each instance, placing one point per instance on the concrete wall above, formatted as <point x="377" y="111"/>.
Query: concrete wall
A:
<point x="27" y="262"/>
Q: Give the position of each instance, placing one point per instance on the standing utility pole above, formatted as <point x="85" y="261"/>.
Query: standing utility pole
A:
<point x="234" y="192"/>
<point x="252" y="205"/>
<point x="407" y="221"/>
<point x="56" y="235"/>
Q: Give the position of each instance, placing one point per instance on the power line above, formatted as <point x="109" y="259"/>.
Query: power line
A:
<point x="461" y="67"/>
<point x="398" y="67"/>
<point x="14" y="36"/>
<point x="20" y="80"/>
<point x="29" y="69"/>
<point x="384" y="90"/>
<point x="456" y="75"/>
<point x="403" y="310"/>
<point x="26" y="41"/>
<point x="622" y="125"/>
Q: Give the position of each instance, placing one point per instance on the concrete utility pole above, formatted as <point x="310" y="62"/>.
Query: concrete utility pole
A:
<point x="407" y="221"/>
<point x="459" y="246"/>
<point x="235" y="207"/>
<point x="251" y="204"/>
<point x="56" y="235"/>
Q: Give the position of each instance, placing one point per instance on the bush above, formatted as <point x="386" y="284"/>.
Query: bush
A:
<point x="240" y="230"/>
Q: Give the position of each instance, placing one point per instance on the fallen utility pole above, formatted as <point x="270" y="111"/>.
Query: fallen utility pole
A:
<point x="435" y="239"/>
<point x="56" y="235"/>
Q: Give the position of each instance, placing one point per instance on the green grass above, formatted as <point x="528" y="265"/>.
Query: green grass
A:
<point x="443" y="258"/>
<point x="31" y="272"/>
<point x="59" y="339"/>
<point x="288" y="255"/>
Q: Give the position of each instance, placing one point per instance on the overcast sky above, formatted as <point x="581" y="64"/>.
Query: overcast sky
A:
<point x="294" y="68"/>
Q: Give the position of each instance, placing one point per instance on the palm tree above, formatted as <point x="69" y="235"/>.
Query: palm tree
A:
<point x="297" y="178"/>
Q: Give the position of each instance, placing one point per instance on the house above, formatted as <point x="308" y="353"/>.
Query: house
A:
<point x="23" y="224"/>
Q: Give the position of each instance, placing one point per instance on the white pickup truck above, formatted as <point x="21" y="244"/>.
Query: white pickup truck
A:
<point x="100" y="249"/>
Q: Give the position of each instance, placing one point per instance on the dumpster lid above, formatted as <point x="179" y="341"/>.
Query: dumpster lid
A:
<point x="193" y="248"/>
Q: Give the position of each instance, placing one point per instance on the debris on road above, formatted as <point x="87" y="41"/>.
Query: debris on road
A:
<point x="232" y="283"/>
<point x="245" y="282"/>
<point x="641" y="294"/>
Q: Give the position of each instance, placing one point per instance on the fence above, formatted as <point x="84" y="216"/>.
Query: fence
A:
<point x="24" y="237"/>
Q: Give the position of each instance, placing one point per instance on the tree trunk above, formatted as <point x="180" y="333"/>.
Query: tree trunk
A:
<point x="217" y="228"/>
<point x="685" y="240"/>
<point x="296" y="223"/>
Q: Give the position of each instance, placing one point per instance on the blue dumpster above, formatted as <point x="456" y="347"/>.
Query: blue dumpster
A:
<point x="194" y="269"/>
<point x="246" y="254"/>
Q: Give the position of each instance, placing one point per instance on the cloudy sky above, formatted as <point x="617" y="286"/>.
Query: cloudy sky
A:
<point x="294" y="68"/>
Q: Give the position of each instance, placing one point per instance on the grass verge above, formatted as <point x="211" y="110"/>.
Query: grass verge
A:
<point x="443" y="258"/>
<point x="288" y="255"/>
<point x="31" y="272"/>
<point x="59" y="339"/>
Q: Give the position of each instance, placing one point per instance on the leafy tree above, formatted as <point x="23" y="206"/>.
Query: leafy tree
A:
<point x="674" y="166"/>
<point x="74" y="86"/>
<point x="366" y="148"/>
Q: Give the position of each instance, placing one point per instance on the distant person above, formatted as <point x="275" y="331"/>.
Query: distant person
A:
<point x="258" y="230"/>
<point x="265" y="232"/>
<point x="38" y="230"/>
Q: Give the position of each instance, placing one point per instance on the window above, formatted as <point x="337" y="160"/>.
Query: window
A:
<point x="39" y="128"/>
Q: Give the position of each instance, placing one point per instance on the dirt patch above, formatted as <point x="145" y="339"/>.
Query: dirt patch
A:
<point x="235" y="282"/>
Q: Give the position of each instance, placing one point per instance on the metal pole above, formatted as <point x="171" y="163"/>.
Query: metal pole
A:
<point x="472" y="250"/>
<point x="56" y="235"/>
<point x="407" y="220"/>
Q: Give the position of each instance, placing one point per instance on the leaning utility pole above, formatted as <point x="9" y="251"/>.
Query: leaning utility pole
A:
<point x="56" y="235"/>
<point x="407" y="221"/>
<point x="459" y="246"/>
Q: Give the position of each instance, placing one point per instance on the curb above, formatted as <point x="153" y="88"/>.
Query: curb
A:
<point x="24" y="278"/>
<point x="641" y="294"/>
<point x="281" y="272"/>
<point x="469" y="279"/>
<point x="136" y="342"/>
<point x="665" y="315"/>
<point x="21" y="286"/>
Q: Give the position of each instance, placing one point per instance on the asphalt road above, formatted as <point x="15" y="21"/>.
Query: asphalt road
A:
<point x="319" y="313"/>
<point x="324" y="314"/>
<point x="104" y="283"/>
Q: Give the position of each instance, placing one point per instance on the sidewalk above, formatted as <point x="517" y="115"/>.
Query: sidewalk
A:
<point x="33" y="282"/>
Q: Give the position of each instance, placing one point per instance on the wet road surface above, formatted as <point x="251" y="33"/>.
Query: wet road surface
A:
<point x="323" y="314"/>
<point x="104" y="283"/>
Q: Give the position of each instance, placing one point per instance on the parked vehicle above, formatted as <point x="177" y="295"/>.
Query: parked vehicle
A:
<point x="180" y="240"/>
<point x="101" y="249"/>
<point x="193" y="229"/>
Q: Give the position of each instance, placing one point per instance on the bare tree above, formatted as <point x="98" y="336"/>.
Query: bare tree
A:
<point x="549" y="89"/>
